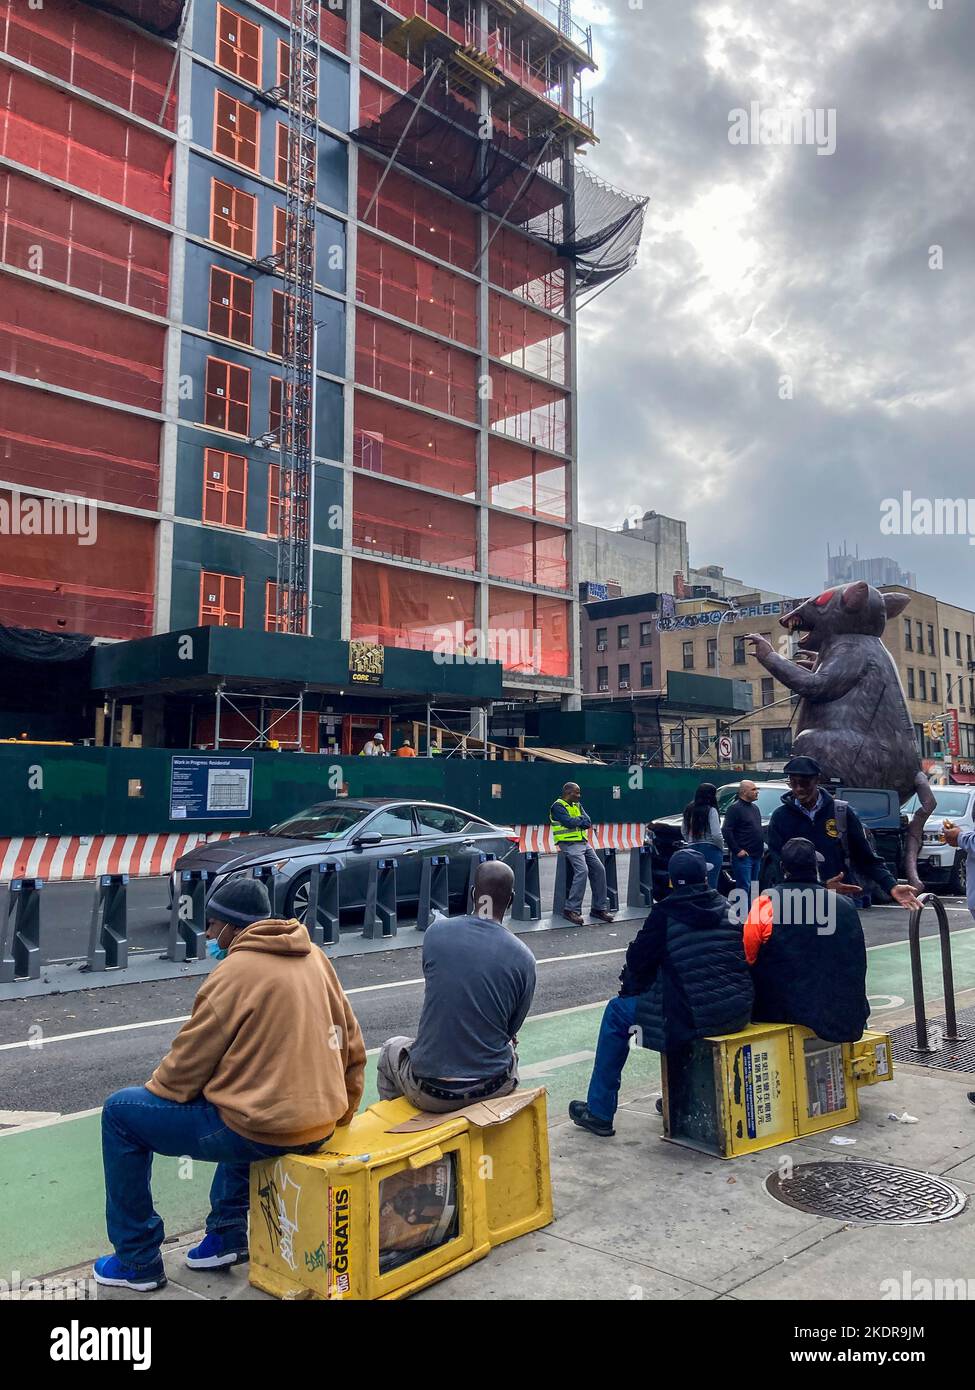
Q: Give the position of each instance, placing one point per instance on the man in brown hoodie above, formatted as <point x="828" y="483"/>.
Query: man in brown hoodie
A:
<point x="270" y="1062"/>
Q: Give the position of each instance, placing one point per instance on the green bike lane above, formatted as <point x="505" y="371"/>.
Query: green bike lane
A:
<point x="51" y="1188"/>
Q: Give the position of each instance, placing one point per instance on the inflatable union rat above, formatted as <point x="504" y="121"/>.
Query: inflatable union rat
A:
<point x="853" y="716"/>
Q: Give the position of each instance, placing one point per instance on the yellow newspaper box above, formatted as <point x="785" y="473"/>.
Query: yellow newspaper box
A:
<point x="400" y="1199"/>
<point x="766" y="1085"/>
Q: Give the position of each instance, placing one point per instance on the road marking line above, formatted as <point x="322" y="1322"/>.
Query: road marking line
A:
<point x="20" y="1118"/>
<point x="536" y="1070"/>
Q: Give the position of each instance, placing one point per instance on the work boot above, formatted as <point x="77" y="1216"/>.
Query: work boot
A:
<point x="576" y="918"/>
<point x="603" y="914"/>
<point x="658" y="1105"/>
<point x="585" y="1119"/>
<point x="971" y="1097"/>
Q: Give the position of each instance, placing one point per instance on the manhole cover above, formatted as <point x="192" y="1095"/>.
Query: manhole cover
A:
<point x="948" y="1056"/>
<point x="867" y="1192"/>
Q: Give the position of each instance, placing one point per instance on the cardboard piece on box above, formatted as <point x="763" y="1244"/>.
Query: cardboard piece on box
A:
<point x="482" y="1113"/>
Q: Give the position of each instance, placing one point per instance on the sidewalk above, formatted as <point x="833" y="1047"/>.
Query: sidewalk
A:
<point x="637" y="1218"/>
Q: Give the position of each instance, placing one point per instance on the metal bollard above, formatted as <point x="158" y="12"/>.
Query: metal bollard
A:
<point x="476" y="860"/>
<point x="639" y="887"/>
<point x="526" y="905"/>
<point x="108" y="936"/>
<point x="379" y="918"/>
<point x="951" y="1033"/>
<point x="607" y="857"/>
<point x="275" y="885"/>
<point x="322" y="917"/>
<point x="434" y="889"/>
<point x="20" y="932"/>
<point x="187" y="921"/>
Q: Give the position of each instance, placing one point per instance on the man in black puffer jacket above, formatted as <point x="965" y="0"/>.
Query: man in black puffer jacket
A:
<point x="685" y="977"/>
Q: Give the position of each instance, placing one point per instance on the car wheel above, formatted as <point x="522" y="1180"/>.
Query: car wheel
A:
<point x="958" y="883"/>
<point x="298" y="895"/>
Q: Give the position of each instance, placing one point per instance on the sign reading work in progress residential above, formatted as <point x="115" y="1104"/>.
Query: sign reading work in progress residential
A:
<point x="211" y="788"/>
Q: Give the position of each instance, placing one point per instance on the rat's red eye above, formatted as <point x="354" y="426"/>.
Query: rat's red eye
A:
<point x="823" y="599"/>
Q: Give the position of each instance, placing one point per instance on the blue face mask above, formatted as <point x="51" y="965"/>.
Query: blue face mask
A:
<point x="215" y="951"/>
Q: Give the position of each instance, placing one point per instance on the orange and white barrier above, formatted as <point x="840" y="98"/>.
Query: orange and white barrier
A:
<point x="608" y="835"/>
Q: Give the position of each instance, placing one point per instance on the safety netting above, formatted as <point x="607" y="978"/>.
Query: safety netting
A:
<point x="33" y="644"/>
<point x="436" y="133"/>
<point x="161" y="17"/>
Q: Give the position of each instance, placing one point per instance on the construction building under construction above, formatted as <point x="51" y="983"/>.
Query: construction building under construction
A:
<point x="289" y="293"/>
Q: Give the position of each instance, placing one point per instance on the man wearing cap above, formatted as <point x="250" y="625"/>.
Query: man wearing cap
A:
<point x="270" y="1062"/>
<point x="685" y="977"/>
<point x="374" y="747"/>
<point x="809" y="812"/>
<point x="570" y="832"/>
<point x="806" y="949"/>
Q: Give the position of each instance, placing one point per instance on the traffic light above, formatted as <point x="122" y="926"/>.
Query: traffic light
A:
<point x="937" y="729"/>
<point x="926" y="726"/>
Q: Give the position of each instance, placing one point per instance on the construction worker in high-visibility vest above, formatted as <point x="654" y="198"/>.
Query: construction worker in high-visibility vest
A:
<point x="570" y="831"/>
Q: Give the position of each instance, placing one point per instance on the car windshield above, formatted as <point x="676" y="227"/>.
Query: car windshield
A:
<point x="326" y="821"/>
<point x="769" y="798"/>
<point x="946" y="802"/>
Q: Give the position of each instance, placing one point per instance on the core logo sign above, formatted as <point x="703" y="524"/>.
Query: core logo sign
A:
<point x="339" y="1283"/>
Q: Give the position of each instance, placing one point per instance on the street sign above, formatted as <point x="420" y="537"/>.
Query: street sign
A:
<point x="724" y="747"/>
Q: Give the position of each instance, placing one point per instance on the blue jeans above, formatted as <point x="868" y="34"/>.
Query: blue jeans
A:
<point x="746" y="871"/>
<point x="612" y="1050"/>
<point x="712" y="856"/>
<point x="135" y="1125"/>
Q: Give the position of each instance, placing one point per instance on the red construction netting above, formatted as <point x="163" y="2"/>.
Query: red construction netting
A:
<point x="407" y="608"/>
<point x="38" y="577"/>
<point x="526" y="338"/>
<point x="375" y="57"/>
<point x="65" y="237"/>
<point x="75" y="446"/>
<point x="527" y="480"/>
<point x="527" y="269"/>
<point x="66" y="137"/>
<point x="416" y="214"/>
<point x="389" y="278"/>
<point x="528" y="410"/>
<point x="48" y="337"/>
<point x="392" y="359"/>
<point x="529" y="633"/>
<point x="527" y="552"/>
<point x="391" y="520"/>
<point x="94" y="52"/>
<point x="418" y="448"/>
<point x="332" y="26"/>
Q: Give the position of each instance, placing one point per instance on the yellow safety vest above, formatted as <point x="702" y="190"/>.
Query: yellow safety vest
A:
<point x="560" y="834"/>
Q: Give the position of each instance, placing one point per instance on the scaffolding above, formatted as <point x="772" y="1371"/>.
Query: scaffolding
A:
<point x="298" y="356"/>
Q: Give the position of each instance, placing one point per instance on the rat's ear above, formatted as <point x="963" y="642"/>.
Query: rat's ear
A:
<point x="895" y="603"/>
<point x="855" y="596"/>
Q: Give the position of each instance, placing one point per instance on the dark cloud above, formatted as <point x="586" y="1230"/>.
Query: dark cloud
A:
<point x="760" y="263"/>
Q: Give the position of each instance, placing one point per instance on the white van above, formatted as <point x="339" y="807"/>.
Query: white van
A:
<point x="939" y="864"/>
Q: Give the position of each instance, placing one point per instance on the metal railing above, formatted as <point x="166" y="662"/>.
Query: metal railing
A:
<point x="951" y="1034"/>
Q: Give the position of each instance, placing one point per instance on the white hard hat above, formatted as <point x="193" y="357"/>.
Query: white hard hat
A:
<point x="380" y="737"/>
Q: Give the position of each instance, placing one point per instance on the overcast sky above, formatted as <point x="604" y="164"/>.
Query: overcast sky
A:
<point x="760" y="262"/>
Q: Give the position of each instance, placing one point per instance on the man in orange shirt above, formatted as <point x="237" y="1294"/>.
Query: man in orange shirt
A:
<point x="805" y="945"/>
<point x="406" y="749"/>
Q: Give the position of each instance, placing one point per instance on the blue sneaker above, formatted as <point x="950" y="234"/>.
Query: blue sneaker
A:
<point x="110" y="1270"/>
<point x="214" y="1252"/>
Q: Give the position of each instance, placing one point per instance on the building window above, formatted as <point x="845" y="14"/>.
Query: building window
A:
<point x="741" y="745"/>
<point x="646" y="635"/>
<point x="233" y="218"/>
<point x="768" y="690"/>
<point x="280" y="233"/>
<point x="274" y="409"/>
<point x="231" y="306"/>
<point x="712" y="648"/>
<point x="272" y="623"/>
<point x="646" y="675"/>
<point x="235" y="131"/>
<point x="688" y="656"/>
<point x="224" y="489"/>
<point x="228" y="391"/>
<point x="971" y="692"/>
<point x="934" y="686"/>
<point x="238" y="46"/>
<point x="281" y="155"/>
<point x="910" y="682"/>
<point x="968" y="640"/>
<point x="919" y="628"/>
<point x="278" y="299"/>
<point x="961" y="694"/>
<point x="624" y="677"/>
<point x="958" y="646"/>
<point x="931" y="651"/>
<point x="922" y="685"/>
<point x="703" y="740"/>
<point x="677" y="746"/>
<point x="601" y="638"/>
<point x="776" y="744"/>
<point x="602" y="678"/>
<point x="947" y="637"/>
<point x="623" y="635"/>
<point x="908" y="639"/>
<point x="283" y="76"/>
<point x="273" y="500"/>
<point x="221" y="600"/>
<point x="739" y="648"/>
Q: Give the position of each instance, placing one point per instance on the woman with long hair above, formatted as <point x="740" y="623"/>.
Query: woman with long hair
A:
<point x="702" y="829"/>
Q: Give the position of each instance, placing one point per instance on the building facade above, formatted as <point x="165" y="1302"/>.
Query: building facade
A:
<point x="145" y="172"/>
